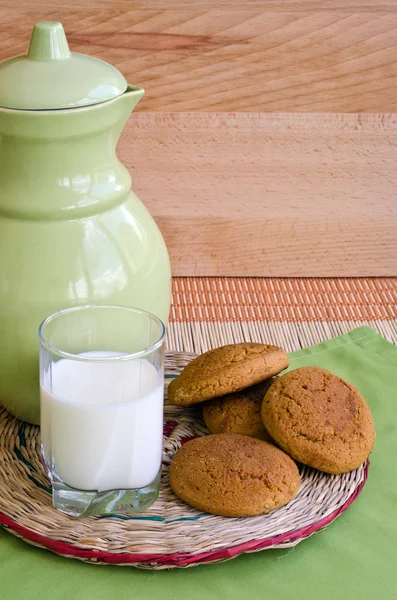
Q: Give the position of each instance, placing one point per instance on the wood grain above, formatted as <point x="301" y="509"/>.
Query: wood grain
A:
<point x="253" y="192"/>
<point x="277" y="5"/>
<point x="261" y="195"/>
<point x="253" y="56"/>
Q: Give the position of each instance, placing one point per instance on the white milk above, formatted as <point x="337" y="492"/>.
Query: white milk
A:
<point x="102" y="424"/>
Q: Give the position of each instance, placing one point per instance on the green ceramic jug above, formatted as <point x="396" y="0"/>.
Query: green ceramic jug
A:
<point x="71" y="231"/>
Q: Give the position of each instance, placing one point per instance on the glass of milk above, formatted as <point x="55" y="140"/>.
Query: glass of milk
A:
<point x="101" y="398"/>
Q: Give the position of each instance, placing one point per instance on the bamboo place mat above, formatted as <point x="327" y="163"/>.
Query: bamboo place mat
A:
<point x="294" y="313"/>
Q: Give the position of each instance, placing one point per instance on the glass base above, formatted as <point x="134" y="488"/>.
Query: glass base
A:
<point x="78" y="503"/>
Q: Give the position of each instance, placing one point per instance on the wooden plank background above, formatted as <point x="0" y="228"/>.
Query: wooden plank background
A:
<point x="236" y="187"/>
<point x="280" y="195"/>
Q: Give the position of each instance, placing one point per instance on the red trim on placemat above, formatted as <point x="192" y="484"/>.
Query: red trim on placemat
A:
<point x="180" y="560"/>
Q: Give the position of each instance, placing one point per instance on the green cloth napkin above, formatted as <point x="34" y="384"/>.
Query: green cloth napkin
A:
<point x="354" y="558"/>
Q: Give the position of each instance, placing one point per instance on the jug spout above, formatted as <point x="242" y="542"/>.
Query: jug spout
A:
<point x="125" y="104"/>
<point x="132" y="95"/>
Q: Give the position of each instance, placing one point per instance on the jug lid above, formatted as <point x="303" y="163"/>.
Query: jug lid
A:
<point x="49" y="76"/>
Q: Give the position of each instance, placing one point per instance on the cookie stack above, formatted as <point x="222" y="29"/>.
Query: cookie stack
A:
<point x="260" y="426"/>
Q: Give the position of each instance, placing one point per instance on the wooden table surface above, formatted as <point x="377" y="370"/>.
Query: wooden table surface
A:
<point x="266" y="142"/>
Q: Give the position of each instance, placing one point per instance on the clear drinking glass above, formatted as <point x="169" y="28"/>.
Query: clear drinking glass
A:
<point x="101" y="398"/>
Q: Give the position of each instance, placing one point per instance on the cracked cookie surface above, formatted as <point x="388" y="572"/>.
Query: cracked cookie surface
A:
<point x="239" y="412"/>
<point x="319" y="419"/>
<point x="225" y="370"/>
<point x="233" y="475"/>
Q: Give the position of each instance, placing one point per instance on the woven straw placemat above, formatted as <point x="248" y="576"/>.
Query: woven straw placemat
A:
<point x="170" y="533"/>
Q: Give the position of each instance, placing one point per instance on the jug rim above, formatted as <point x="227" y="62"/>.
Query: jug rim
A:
<point x="130" y="90"/>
